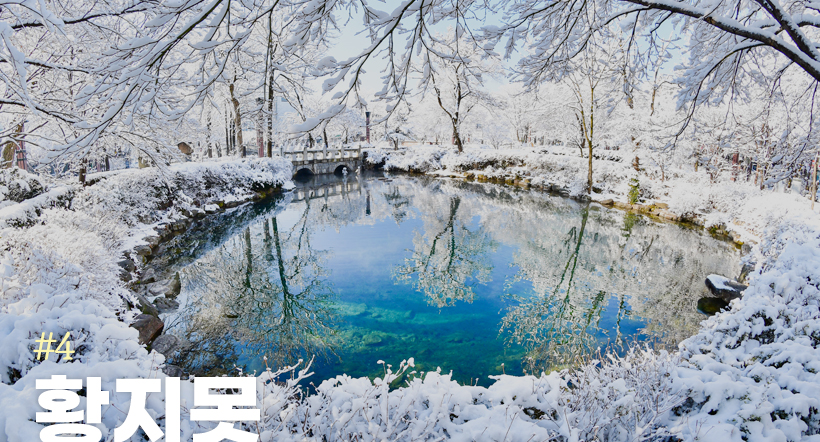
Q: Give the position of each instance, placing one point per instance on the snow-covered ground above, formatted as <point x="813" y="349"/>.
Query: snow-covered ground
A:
<point x="750" y="374"/>
<point x="737" y="205"/>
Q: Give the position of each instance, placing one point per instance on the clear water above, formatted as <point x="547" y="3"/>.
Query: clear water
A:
<point x="470" y="278"/>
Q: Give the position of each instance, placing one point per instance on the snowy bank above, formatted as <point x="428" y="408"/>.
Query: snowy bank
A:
<point x="749" y="374"/>
<point x="740" y="209"/>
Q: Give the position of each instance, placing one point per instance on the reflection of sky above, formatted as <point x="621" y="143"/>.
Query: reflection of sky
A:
<point x="378" y="318"/>
<point x="464" y="338"/>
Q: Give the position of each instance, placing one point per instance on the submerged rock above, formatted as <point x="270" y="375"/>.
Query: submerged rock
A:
<point x="149" y="327"/>
<point x="724" y="288"/>
<point x="371" y="339"/>
<point x="168" y="344"/>
<point x="165" y="305"/>
<point x="168" y="288"/>
<point x="710" y="306"/>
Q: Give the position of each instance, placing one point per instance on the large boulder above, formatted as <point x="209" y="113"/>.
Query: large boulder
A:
<point x="149" y="328"/>
<point x="724" y="288"/>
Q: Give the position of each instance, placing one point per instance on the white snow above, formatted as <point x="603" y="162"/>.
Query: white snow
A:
<point x="719" y="282"/>
<point x="752" y="373"/>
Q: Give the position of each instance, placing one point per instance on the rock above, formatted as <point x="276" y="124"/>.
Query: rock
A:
<point x="148" y="276"/>
<point x="710" y="306"/>
<point x="145" y="306"/>
<point x="165" y="305"/>
<point x="149" y="328"/>
<point x="620" y="205"/>
<point x="152" y="240"/>
<point x="371" y="339"/>
<point x="724" y="288"/>
<point x="665" y="214"/>
<point x="167" y="344"/>
<point x="608" y="202"/>
<point x="745" y="271"/>
<point x="169" y="288"/>
<point x="173" y="371"/>
<point x="661" y="205"/>
<point x="211" y="208"/>
<point x="127" y="265"/>
<point x="142" y="250"/>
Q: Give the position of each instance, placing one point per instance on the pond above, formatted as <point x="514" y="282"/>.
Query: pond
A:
<point x="477" y="279"/>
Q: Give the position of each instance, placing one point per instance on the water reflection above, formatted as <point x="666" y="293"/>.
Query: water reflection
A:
<point x="447" y="255"/>
<point x="466" y="277"/>
<point x="262" y="293"/>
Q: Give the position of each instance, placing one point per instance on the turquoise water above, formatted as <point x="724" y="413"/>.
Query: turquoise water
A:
<point x="475" y="279"/>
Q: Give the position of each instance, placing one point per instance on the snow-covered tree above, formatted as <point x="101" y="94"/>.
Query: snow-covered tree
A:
<point x="457" y="74"/>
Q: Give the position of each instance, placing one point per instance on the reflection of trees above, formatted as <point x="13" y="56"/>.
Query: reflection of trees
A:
<point x="398" y="203"/>
<point x="446" y="256"/>
<point x="261" y="293"/>
<point x="592" y="278"/>
<point x="552" y="327"/>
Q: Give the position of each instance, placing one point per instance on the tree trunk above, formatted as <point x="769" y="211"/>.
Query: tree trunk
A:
<point x="237" y="121"/>
<point x="8" y="154"/>
<point x="228" y="133"/>
<point x="208" y="144"/>
<point x="270" y="117"/>
<point x="457" y="140"/>
<point x="82" y="172"/>
<point x="589" y="173"/>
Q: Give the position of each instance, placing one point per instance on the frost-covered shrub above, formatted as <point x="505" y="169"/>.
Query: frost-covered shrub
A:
<point x="60" y="275"/>
<point x="625" y="398"/>
<point x="17" y="185"/>
<point x="138" y="195"/>
<point x="756" y="368"/>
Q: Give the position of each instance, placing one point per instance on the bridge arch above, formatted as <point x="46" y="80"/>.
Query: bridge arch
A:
<point x="339" y="170"/>
<point x="303" y="172"/>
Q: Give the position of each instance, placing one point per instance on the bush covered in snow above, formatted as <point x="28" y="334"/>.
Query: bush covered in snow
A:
<point x="138" y="196"/>
<point x="17" y="185"/>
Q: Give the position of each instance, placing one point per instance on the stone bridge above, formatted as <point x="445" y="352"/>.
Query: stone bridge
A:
<point x="325" y="161"/>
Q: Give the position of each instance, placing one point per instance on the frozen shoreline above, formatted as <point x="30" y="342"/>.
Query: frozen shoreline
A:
<point x="751" y="372"/>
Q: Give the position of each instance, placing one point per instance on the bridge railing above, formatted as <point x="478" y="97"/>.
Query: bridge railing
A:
<point x="322" y="154"/>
